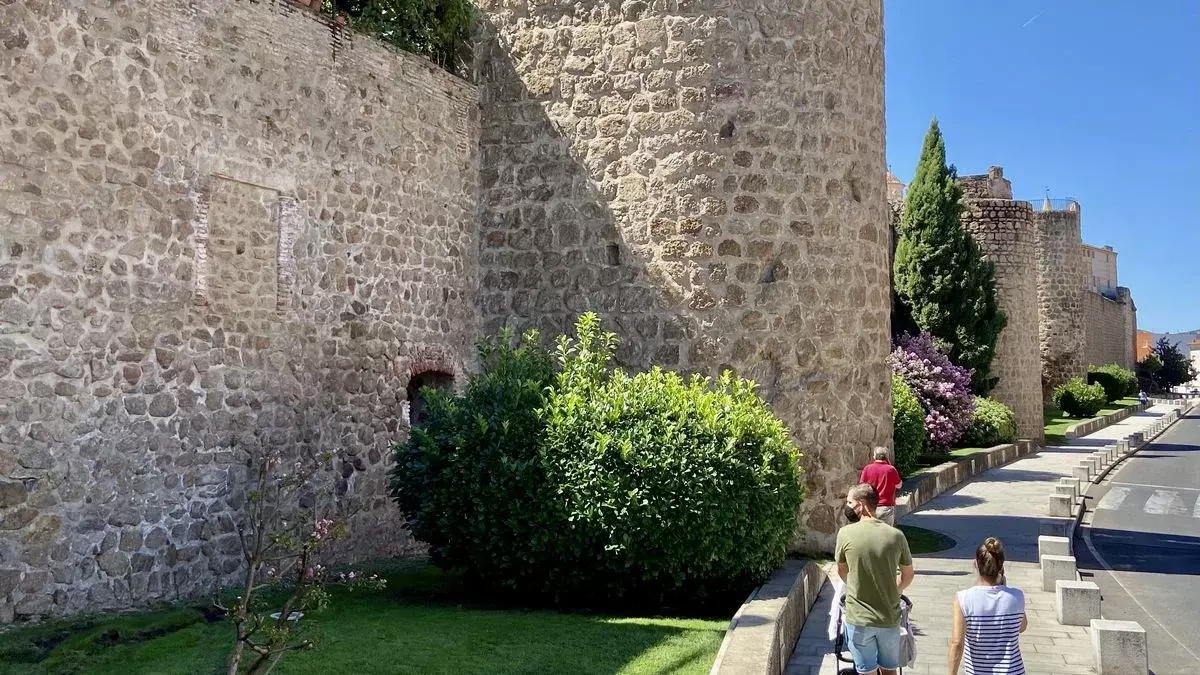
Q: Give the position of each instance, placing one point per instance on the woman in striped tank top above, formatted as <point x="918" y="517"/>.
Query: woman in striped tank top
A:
<point x="987" y="619"/>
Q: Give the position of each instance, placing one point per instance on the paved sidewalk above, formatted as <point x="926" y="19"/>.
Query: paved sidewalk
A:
<point x="1009" y="502"/>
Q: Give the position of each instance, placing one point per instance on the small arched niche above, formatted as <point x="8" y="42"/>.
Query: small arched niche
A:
<point x="434" y="379"/>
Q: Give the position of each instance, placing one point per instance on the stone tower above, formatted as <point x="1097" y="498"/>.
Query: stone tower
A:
<point x="709" y="177"/>
<point x="1003" y="228"/>
<point x="1062" y="277"/>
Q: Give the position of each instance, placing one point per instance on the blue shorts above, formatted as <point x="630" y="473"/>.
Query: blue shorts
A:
<point x="873" y="648"/>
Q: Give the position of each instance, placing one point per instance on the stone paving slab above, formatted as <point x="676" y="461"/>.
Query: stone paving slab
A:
<point x="1009" y="502"/>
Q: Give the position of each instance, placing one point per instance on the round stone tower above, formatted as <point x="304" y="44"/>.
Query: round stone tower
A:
<point x="1062" y="276"/>
<point x="709" y="177"/>
<point x="1003" y="228"/>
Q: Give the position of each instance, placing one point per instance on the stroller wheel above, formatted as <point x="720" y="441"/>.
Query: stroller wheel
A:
<point x="847" y="671"/>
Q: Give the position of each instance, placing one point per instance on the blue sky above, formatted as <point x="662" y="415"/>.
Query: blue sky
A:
<point x="1099" y="101"/>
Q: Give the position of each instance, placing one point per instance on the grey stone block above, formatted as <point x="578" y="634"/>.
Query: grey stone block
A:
<point x="1048" y="545"/>
<point x="1078" y="602"/>
<point x="1086" y="465"/>
<point x="1057" y="568"/>
<point x="1069" y="490"/>
<point x="1061" y="506"/>
<point x="1119" y="647"/>
<point x="1082" y="474"/>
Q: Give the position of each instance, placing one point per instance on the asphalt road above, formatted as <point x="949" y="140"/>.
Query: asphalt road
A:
<point x="1143" y="545"/>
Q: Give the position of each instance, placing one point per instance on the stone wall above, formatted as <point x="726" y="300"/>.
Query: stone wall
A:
<point x="223" y="226"/>
<point x="990" y="185"/>
<point x="709" y="177"/>
<point x="1108" y="330"/>
<point x="1129" y="321"/>
<point x="1004" y="230"/>
<point x="1062" y="278"/>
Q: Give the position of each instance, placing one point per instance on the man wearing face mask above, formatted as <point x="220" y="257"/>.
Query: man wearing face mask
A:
<point x="868" y="553"/>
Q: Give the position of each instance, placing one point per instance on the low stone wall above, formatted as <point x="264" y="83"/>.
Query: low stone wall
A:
<point x="1094" y="425"/>
<point x="920" y="489"/>
<point x="763" y="633"/>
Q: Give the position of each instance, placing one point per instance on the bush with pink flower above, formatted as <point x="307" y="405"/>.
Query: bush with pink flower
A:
<point x="943" y="388"/>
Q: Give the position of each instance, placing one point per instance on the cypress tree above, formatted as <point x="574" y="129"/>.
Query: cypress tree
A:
<point x="941" y="277"/>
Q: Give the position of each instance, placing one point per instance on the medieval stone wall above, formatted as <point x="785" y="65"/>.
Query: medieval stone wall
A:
<point x="709" y="177"/>
<point x="1107" y="329"/>
<point x="1129" y="325"/>
<point x="1062" y="277"/>
<point x="1004" y="230"/>
<point x="223" y="226"/>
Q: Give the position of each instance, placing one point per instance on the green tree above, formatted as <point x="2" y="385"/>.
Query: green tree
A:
<point x="1176" y="368"/>
<point x="941" y="276"/>
<point x="439" y="30"/>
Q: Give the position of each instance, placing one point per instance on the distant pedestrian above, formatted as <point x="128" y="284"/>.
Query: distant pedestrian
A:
<point x="987" y="619"/>
<point x="1143" y="397"/>
<point x="868" y="553"/>
<point x="886" y="480"/>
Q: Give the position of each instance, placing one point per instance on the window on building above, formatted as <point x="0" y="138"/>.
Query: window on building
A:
<point x="433" y="379"/>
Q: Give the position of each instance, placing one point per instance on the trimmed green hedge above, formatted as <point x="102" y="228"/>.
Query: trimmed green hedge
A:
<point x="992" y="423"/>
<point x="908" y="425"/>
<point x="600" y="488"/>
<point x="1077" y="398"/>
<point x="1117" y="382"/>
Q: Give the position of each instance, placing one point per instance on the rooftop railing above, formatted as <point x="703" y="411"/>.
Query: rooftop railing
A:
<point x="1047" y="204"/>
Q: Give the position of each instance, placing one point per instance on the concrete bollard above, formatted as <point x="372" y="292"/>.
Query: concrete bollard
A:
<point x="1057" y="568"/>
<point x="1068" y="481"/>
<point x="1086" y="465"/>
<point x="1119" y="647"/>
<point x="1123" y="447"/>
<point x="1078" y="602"/>
<point x="1110" y="454"/>
<point x="1067" y="491"/>
<point x="1062" y="506"/>
<point x="1081" y="474"/>
<point x="1048" y="545"/>
<point x="1097" y="463"/>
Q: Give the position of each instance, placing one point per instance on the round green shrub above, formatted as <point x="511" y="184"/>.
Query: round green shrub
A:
<point x="1077" y="398"/>
<point x="672" y="488"/>
<point x="470" y="480"/>
<point x="908" y="425"/>
<point x="992" y="423"/>
<point x="1117" y="382"/>
<point x="582" y="484"/>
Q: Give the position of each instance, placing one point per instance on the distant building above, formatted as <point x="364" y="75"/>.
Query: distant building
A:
<point x="895" y="189"/>
<point x="1194" y="354"/>
<point x="1145" y="343"/>
<point x="1103" y="274"/>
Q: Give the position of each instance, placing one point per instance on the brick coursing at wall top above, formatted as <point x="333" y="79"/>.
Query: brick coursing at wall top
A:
<point x="223" y="225"/>
<point x="717" y="216"/>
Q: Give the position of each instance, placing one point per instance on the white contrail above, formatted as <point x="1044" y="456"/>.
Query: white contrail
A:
<point x="1033" y="18"/>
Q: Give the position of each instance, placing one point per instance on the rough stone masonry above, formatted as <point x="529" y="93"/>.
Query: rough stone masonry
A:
<point x="223" y="225"/>
<point x="709" y="176"/>
<point x="233" y="225"/>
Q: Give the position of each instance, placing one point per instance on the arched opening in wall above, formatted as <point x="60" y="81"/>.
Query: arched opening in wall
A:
<point x="434" y="379"/>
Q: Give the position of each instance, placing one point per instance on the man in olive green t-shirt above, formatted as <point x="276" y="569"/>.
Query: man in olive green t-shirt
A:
<point x="868" y="554"/>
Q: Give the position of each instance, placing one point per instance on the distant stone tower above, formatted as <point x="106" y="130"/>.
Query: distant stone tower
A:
<point x="709" y="177"/>
<point x="1003" y="228"/>
<point x="1062" y="278"/>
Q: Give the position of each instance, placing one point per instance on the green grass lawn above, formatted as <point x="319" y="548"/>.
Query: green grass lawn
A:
<point x="1056" y="423"/>
<point x="422" y="623"/>
<point x="922" y="541"/>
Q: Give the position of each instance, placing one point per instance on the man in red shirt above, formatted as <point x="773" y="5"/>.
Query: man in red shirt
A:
<point x="886" y="480"/>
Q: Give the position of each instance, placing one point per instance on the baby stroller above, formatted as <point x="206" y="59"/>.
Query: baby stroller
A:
<point x="841" y="649"/>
